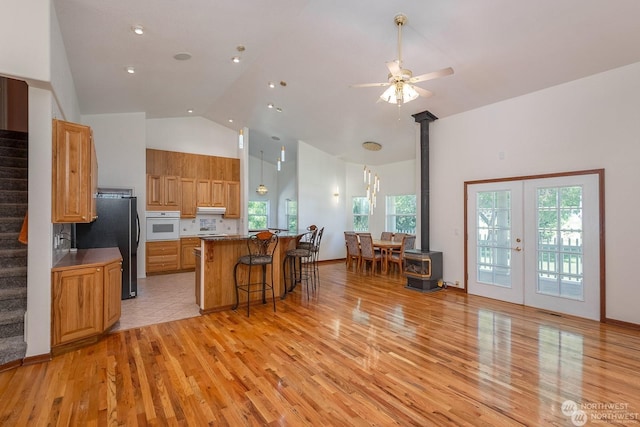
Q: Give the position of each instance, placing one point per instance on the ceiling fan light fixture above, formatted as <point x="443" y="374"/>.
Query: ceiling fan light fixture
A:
<point x="399" y="93"/>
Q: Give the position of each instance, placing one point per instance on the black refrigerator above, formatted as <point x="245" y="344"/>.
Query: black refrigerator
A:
<point x="117" y="225"/>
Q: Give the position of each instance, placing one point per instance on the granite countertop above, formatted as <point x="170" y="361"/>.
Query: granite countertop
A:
<point x="231" y="237"/>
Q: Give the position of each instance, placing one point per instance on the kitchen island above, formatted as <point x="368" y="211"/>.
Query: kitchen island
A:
<point x="215" y="284"/>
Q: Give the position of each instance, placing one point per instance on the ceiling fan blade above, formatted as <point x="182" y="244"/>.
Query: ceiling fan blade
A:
<point x="371" y="85"/>
<point x="423" y="92"/>
<point x="394" y="67"/>
<point x="433" y="75"/>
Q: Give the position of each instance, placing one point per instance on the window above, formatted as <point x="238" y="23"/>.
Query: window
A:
<point x="258" y="214"/>
<point x="360" y="214"/>
<point x="292" y="215"/>
<point x="401" y="213"/>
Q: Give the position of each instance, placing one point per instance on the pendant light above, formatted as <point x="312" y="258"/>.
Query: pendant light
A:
<point x="262" y="189"/>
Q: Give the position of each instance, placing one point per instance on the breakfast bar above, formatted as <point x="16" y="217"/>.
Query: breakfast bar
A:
<point x="215" y="286"/>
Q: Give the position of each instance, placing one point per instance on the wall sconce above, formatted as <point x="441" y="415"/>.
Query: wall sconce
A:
<point x="337" y="194"/>
<point x="240" y="139"/>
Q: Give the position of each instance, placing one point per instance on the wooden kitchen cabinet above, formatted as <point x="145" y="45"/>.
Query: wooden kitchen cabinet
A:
<point x="112" y="308"/>
<point x="163" y="256"/>
<point x="204" y="194"/>
<point x="188" y="202"/>
<point x="219" y="196"/>
<point x="86" y="289"/>
<point x="187" y="256"/>
<point x="163" y="192"/>
<point x="232" y="202"/>
<point x="76" y="304"/>
<point x="74" y="173"/>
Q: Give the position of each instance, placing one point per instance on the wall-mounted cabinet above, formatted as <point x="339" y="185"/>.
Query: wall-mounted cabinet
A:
<point x="203" y="181"/>
<point x="74" y="173"/>
<point x="163" y="192"/>
<point x="232" y="199"/>
<point x="188" y="197"/>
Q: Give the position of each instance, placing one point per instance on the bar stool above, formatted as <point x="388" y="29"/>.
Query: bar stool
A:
<point x="303" y="256"/>
<point x="261" y="247"/>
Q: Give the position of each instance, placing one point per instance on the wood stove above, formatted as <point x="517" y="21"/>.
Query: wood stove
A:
<point x="423" y="269"/>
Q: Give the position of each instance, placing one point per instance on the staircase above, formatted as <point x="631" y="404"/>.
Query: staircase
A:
<point x="13" y="254"/>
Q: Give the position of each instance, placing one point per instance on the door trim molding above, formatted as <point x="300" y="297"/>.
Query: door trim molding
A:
<point x="601" y="223"/>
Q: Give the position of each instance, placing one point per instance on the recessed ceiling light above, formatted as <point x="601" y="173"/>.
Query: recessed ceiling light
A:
<point x="269" y="105"/>
<point x="182" y="56"/>
<point x="235" y="59"/>
<point x="283" y="83"/>
<point x="240" y="48"/>
<point x="275" y="138"/>
<point x="138" y="29"/>
<point x="130" y="70"/>
<point x="272" y="85"/>
<point x="230" y="120"/>
<point x="279" y="110"/>
<point x="189" y="111"/>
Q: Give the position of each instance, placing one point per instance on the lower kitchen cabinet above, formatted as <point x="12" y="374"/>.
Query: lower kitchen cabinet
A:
<point x="163" y="256"/>
<point x="86" y="288"/>
<point x="187" y="256"/>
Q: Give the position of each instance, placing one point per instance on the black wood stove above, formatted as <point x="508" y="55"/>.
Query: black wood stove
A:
<point x="423" y="267"/>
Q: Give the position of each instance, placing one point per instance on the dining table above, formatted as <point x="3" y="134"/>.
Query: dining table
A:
<point x="386" y="248"/>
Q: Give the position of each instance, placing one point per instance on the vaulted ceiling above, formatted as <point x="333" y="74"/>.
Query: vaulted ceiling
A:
<point x="498" y="49"/>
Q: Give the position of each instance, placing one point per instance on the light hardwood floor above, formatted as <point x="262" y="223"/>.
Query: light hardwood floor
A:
<point x="363" y="351"/>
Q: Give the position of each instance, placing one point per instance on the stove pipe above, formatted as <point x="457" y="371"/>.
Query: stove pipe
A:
<point x="424" y="119"/>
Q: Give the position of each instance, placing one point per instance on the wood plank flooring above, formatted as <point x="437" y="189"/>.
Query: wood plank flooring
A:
<point x="362" y="351"/>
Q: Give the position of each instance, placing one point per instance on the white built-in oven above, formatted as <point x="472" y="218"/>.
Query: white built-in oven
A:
<point x="163" y="225"/>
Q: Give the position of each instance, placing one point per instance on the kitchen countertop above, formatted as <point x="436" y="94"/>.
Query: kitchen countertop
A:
<point x="87" y="258"/>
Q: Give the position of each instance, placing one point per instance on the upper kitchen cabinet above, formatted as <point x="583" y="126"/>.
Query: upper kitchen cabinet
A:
<point x="163" y="192"/>
<point x="233" y="199"/>
<point x="188" y="195"/>
<point x="74" y="173"/>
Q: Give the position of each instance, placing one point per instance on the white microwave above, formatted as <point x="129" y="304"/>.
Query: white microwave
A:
<point x="163" y="225"/>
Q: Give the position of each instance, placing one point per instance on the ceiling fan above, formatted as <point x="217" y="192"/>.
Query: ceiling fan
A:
<point x="401" y="89"/>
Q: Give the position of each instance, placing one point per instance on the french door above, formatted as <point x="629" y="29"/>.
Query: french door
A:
<point x="536" y="242"/>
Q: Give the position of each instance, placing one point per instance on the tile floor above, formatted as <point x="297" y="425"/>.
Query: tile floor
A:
<point x="160" y="299"/>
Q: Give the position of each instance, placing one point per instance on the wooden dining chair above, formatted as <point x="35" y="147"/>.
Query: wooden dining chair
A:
<point x="397" y="237"/>
<point x="397" y="257"/>
<point x="367" y="253"/>
<point x="353" y="249"/>
<point x="386" y="235"/>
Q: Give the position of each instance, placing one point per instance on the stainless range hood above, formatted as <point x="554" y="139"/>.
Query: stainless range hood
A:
<point x="208" y="210"/>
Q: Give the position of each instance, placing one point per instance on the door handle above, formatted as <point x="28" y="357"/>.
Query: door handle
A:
<point x="517" y="249"/>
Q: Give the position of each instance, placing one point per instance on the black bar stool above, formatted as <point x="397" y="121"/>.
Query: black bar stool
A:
<point x="261" y="247"/>
<point x="303" y="256"/>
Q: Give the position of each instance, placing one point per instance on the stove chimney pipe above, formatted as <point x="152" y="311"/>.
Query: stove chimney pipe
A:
<point x="424" y="119"/>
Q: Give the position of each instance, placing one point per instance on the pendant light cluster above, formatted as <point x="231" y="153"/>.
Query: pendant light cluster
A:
<point x="373" y="188"/>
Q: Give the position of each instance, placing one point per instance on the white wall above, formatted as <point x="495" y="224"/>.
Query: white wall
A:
<point x="194" y="135"/>
<point x="586" y="124"/>
<point x="120" y="147"/>
<point x="25" y="32"/>
<point x="318" y="175"/>
<point x="395" y="179"/>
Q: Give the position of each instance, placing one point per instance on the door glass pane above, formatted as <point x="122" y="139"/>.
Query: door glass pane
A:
<point x="559" y="246"/>
<point x="493" y="217"/>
